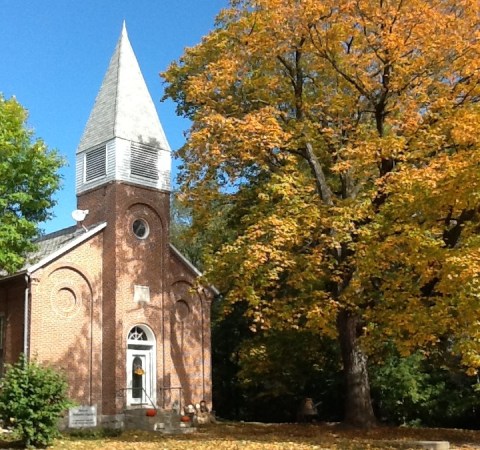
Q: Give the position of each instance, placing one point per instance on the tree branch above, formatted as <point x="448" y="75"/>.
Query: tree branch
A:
<point x="320" y="180"/>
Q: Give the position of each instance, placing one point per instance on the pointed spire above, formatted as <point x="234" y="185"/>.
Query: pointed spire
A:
<point x="123" y="107"/>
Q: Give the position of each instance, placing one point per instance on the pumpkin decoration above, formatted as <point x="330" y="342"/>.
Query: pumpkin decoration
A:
<point x="151" y="412"/>
<point x="139" y="371"/>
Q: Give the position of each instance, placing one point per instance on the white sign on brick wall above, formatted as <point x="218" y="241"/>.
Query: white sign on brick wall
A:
<point x="82" y="417"/>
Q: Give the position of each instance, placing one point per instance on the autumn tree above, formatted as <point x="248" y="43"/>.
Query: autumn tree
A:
<point x="194" y="242"/>
<point x="357" y="124"/>
<point x="28" y="179"/>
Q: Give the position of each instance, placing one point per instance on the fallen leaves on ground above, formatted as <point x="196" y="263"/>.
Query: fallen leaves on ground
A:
<point x="254" y="436"/>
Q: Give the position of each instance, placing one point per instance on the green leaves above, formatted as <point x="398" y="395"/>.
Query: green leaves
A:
<point x="347" y="136"/>
<point x="31" y="402"/>
<point x="28" y="179"/>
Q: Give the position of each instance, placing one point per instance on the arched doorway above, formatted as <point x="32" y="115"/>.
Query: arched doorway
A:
<point x="141" y="366"/>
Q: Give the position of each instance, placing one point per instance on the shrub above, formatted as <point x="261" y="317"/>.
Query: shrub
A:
<point x="32" y="399"/>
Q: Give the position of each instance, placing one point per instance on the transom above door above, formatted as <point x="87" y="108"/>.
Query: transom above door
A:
<point x="141" y="367"/>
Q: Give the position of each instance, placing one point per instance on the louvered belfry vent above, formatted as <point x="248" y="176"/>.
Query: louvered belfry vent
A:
<point x="96" y="163"/>
<point x="144" y="161"/>
<point x="123" y="140"/>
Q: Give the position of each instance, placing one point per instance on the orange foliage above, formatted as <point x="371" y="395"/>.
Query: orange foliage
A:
<point x="348" y="133"/>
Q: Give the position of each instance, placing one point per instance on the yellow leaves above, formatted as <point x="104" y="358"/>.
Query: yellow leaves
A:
<point x="459" y="279"/>
<point x="409" y="312"/>
<point x="364" y="83"/>
<point x="321" y="316"/>
<point x="227" y="142"/>
<point x="266" y="436"/>
<point x="445" y="183"/>
<point x="465" y="127"/>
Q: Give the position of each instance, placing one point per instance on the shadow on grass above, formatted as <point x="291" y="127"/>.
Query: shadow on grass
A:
<point x="100" y="433"/>
<point x="10" y="443"/>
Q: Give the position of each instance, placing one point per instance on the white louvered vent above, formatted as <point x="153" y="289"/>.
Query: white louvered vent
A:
<point x="144" y="161"/>
<point x="96" y="163"/>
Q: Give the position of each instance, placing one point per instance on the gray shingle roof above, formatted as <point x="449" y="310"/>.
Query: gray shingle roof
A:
<point x="51" y="243"/>
<point x="123" y="107"/>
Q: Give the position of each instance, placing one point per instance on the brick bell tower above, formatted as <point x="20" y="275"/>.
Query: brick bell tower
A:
<point x="123" y="166"/>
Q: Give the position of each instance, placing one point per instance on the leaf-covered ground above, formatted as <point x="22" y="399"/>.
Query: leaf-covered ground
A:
<point x="253" y="436"/>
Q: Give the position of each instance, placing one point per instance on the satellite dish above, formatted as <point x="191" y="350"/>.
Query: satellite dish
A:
<point x="79" y="214"/>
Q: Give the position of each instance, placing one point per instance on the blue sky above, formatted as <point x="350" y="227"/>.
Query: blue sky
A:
<point x="54" y="54"/>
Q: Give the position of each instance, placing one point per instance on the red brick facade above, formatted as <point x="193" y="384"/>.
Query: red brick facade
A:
<point x="117" y="310"/>
<point x="82" y="308"/>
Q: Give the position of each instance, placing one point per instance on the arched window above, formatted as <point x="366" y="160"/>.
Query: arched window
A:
<point x="137" y="334"/>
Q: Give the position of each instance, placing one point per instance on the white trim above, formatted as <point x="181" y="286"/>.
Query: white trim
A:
<point x="192" y="267"/>
<point x="147" y="228"/>
<point x="83" y="237"/>
<point x="150" y="355"/>
<point x="186" y="261"/>
<point x="151" y="340"/>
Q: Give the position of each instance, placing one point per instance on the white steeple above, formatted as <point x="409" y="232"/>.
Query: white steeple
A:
<point x="123" y="139"/>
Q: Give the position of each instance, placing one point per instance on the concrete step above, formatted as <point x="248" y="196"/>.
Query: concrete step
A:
<point x="165" y="421"/>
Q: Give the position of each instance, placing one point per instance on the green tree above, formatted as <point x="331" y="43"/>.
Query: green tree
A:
<point x="196" y="235"/>
<point x="357" y="124"/>
<point x="32" y="399"/>
<point x="230" y="331"/>
<point x="428" y="390"/>
<point x="180" y="226"/>
<point x="28" y="179"/>
<point x="280" y="368"/>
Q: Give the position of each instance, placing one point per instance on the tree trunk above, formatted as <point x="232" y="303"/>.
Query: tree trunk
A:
<point x="358" y="405"/>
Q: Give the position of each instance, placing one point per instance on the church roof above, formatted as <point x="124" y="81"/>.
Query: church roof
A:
<point x="53" y="245"/>
<point x="190" y="266"/>
<point x="52" y="242"/>
<point x="123" y="107"/>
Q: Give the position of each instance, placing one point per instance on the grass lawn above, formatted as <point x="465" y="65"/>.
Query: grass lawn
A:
<point x="252" y="436"/>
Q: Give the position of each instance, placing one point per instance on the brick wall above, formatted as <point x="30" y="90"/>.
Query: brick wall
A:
<point x="82" y="305"/>
<point x="130" y="261"/>
<point x="66" y="318"/>
<point x="12" y="300"/>
<point x="189" y="360"/>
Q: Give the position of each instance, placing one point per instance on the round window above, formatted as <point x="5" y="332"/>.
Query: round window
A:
<point x="140" y="228"/>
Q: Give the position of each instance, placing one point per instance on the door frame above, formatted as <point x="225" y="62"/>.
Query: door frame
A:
<point x="145" y="349"/>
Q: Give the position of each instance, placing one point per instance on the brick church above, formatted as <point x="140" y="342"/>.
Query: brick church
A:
<point x="110" y="301"/>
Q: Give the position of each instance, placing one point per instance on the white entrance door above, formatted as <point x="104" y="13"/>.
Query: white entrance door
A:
<point x="140" y="375"/>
